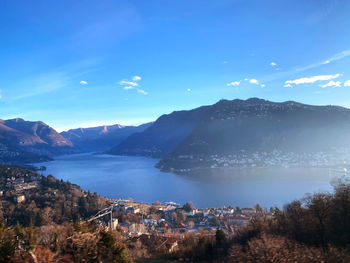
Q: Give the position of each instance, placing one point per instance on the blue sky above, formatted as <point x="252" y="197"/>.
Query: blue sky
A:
<point x="85" y="63"/>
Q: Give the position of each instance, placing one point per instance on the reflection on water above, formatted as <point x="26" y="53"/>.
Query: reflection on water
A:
<point x="136" y="177"/>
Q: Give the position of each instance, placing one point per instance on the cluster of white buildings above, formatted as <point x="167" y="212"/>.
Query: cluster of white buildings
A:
<point x="275" y="158"/>
<point x="24" y="182"/>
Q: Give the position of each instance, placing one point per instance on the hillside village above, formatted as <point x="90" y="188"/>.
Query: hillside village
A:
<point x="136" y="220"/>
<point x="169" y="219"/>
<point x="140" y="218"/>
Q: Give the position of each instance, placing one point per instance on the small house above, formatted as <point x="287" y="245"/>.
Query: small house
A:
<point x="20" y="198"/>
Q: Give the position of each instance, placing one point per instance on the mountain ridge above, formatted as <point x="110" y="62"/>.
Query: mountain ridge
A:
<point x="101" y="138"/>
<point x="184" y="139"/>
<point x="30" y="141"/>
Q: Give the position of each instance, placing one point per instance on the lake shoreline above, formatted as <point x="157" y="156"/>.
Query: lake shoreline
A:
<point x="136" y="177"/>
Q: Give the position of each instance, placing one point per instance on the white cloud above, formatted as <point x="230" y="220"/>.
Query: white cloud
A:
<point x="0" y="94"/>
<point x="288" y="86"/>
<point x="129" y="83"/>
<point x="128" y="87"/>
<point x="233" y="83"/>
<point x="83" y="82"/>
<point x="332" y="84"/>
<point x="273" y="64"/>
<point x="142" y="91"/>
<point x="340" y="55"/>
<point x="307" y="80"/>
<point x="347" y="83"/>
<point x="189" y="90"/>
<point x="254" y="81"/>
<point x="136" y="78"/>
<point x="335" y="57"/>
<point x="263" y="85"/>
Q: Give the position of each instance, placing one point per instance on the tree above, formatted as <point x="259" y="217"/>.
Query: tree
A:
<point x="7" y="243"/>
<point x="156" y="203"/>
<point x="215" y="221"/>
<point x="188" y="207"/>
<point x="220" y="237"/>
<point x="238" y="210"/>
<point x="259" y="208"/>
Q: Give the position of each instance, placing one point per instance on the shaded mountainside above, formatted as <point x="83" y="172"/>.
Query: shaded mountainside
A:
<point x="11" y="155"/>
<point x="101" y="138"/>
<point x="26" y="141"/>
<point x="261" y="125"/>
<point x="190" y="139"/>
<point x="162" y="136"/>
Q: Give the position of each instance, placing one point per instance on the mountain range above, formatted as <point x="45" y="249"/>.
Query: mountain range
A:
<point x="101" y="138"/>
<point x="231" y="132"/>
<point x="23" y="141"/>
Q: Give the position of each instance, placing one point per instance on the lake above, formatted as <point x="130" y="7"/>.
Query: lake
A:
<point x="137" y="178"/>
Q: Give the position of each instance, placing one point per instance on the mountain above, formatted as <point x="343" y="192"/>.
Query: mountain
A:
<point x="29" y="140"/>
<point x="251" y="133"/>
<point x="101" y="138"/>
<point x="12" y="155"/>
<point x="162" y="136"/>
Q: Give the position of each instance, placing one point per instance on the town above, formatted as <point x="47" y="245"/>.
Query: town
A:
<point x="258" y="159"/>
<point x="166" y="222"/>
<point x="171" y="221"/>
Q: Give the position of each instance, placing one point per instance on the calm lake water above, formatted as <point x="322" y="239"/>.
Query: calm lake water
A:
<point x="136" y="177"/>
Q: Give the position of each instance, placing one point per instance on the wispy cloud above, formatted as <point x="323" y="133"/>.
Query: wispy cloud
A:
<point x="273" y="64"/>
<point x="127" y="82"/>
<point x="233" y="83"/>
<point x="142" y="91"/>
<point x="347" y="83"/>
<point x="136" y="78"/>
<point x="313" y="79"/>
<point x="42" y="84"/>
<point x="0" y="94"/>
<point x="251" y="81"/>
<point x="129" y="85"/>
<point x="335" y="57"/>
<point x="332" y="83"/>
<point x="53" y="80"/>
<point x="288" y="86"/>
<point x="285" y="74"/>
<point x="254" y="81"/>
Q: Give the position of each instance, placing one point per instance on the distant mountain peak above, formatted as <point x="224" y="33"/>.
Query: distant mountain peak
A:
<point x="33" y="136"/>
<point x="105" y="129"/>
<point x="101" y="138"/>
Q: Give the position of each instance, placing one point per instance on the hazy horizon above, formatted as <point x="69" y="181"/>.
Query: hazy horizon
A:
<point x="140" y="122"/>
